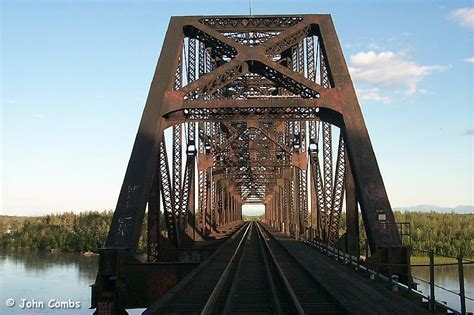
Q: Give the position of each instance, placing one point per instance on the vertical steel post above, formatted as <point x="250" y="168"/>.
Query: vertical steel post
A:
<point x="227" y="208"/>
<point x="208" y="215"/>
<point x="462" y="293"/>
<point x="352" y="215"/>
<point x="297" y="202"/>
<point x="177" y="174"/>
<point x="432" y="282"/>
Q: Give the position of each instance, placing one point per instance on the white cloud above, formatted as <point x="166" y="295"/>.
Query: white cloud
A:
<point x="374" y="46"/>
<point x="39" y="115"/>
<point x="390" y="70"/>
<point x="464" y="17"/>
<point x="373" y="95"/>
<point x="470" y="60"/>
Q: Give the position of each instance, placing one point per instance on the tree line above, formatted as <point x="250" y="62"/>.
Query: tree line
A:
<point x="72" y="232"/>
<point x="67" y="231"/>
<point x="446" y="233"/>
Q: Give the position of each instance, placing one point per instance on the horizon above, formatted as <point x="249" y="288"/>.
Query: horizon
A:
<point x="75" y="77"/>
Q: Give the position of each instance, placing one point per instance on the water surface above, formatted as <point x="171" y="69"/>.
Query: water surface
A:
<point x="40" y="276"/>
<point x="44" y="276"/>
<point x="448" y="278"/>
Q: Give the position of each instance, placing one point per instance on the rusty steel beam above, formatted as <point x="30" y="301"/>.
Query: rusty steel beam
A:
<point x="177" y="174"/>
<point x="319" y="195"/>
<point x="166" y="187"/>
<point x="327" y="175"/>
<point x="128" y="217"/>
<point x="352" y="214"/>
<point x="374" y="201"/>
<point x="153" y="218"/>
<point x="337" y="194"/>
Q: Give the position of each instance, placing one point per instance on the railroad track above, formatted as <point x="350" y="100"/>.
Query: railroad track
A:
<point x="311" y="297"/>
<point x="264" y="278"/>
<point x="191" y="294"/>
<point x="247" y="285"/>
<point x="260" y="277"/>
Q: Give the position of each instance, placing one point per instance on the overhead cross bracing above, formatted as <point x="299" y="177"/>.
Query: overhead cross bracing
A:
<point x="260" y="109"/>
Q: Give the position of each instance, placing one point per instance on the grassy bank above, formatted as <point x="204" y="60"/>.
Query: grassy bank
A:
<point x="252" y="217"/>
<point x="438" y="260"/>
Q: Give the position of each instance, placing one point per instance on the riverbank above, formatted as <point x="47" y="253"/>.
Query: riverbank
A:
<point x="447" y="233"/>
<point x="437" y="260"/>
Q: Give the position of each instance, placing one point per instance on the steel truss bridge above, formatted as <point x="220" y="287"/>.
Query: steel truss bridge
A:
<point x="246" y="110"/>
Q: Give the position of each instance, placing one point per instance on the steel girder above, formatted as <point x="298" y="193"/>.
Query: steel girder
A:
<point x="258" y="89"/>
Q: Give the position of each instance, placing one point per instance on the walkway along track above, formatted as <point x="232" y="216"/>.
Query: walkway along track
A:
<point x="260" y="277"/>
<point x="189" y="296"/>
<point x="310" y="296"/>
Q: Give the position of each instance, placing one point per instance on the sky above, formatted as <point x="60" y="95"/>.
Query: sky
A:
<point x="75" y="76"/>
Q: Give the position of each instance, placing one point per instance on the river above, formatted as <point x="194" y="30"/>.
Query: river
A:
<point x="49" y="278"/>
<point x="448" y="278"/>
<point x="52" y="278"/>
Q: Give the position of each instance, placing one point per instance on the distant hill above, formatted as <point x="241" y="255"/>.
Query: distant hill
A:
<point x="427" y="208"/>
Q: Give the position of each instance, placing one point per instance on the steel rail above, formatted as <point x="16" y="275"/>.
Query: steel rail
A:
<point x="230" y="296"/>
<point x="268" y="272"/>
<point x="233" y="287"/>
<point x="169" y="296"/>
<point x="294" y="299"/>
<point x="211" y="302"/>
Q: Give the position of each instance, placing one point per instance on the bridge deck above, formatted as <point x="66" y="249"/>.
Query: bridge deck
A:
<point x="261" y="270"/>
<point x="356" y="293"/>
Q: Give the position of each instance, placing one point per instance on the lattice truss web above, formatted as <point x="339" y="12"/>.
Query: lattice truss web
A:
<point x="284" y="158"/>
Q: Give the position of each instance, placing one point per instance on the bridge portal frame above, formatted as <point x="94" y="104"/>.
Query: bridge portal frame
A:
<point x="169" y="104"/>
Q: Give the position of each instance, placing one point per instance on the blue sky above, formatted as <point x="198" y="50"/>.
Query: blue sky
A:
<point x="75" y="75"/>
